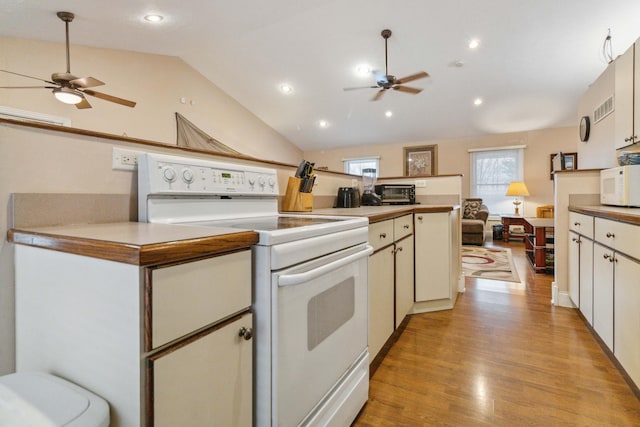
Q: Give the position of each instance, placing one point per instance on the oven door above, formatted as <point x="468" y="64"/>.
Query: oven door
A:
<point x="320" y="333"/>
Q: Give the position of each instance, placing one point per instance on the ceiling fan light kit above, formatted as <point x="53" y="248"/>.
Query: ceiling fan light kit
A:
<point x="68" y="88"/>
<point x="388" y="81"/>
<point x="68" y="95"/>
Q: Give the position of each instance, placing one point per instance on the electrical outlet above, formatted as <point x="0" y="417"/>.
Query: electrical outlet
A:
<point x="421" y="183"/>
<point x="126" y="160"/>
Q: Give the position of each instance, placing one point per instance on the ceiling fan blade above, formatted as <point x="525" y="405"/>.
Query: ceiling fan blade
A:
<point x="360" y="87"/>
<point x="413" y="77"/>
<point x="110" y="98"/>
<point x="29" y="77"/>
<point x="407" y="89"/>
<point x="28" y="87"/>
<point x="86" y="82"/>
<point x="83" y="104"/>
<point x="378" y="95"/>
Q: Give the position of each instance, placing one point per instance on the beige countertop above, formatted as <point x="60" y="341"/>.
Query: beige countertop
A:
<point x="629" y="215"/>
<point x="380" y="213"/>
<point x="134" y="242"/>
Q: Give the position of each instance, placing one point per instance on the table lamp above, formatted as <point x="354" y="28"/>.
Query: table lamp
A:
<point x="517" y="189"/>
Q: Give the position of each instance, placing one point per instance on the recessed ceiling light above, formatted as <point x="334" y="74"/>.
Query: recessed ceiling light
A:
<point x="474" y="43"/>
<point x="286" y="88"/>
<point x="477" y="101"/>
<point x="388" y="113"/>
<point x="363" y="70"/>
<point x="153" y="18"/>
<point x="323" y="124"/>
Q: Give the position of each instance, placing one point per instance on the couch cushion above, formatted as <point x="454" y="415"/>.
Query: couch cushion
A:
<point x="473" y="226"/>
<point x="470" y="208"/>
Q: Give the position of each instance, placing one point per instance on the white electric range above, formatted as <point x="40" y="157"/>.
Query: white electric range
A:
<point x="310" y="285"/>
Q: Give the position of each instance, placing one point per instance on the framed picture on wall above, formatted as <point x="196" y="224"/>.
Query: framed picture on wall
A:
<point x="421" y="161"/>
<point x="562" y="161"/>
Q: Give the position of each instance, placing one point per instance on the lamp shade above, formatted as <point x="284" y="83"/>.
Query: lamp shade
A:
<point x="517" y="188"/>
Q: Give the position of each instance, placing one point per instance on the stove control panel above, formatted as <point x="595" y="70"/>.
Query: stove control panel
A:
<point x="162" y="174"/>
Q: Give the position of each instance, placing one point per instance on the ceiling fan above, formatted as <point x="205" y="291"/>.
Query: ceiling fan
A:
<point x="387" y="81"/>
<point x="68" y="88"/>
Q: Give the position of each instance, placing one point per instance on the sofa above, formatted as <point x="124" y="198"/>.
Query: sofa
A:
<point x="474" y="221"/>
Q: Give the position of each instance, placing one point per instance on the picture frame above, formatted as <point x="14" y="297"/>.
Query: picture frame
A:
<point x="569" y="161"/>
<point x="421" y="160"/>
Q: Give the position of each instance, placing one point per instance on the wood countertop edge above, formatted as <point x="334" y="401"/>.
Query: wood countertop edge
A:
<point x="141" y="255"/>
<point x="607" y="214"/>
<point x="373" y="218"/>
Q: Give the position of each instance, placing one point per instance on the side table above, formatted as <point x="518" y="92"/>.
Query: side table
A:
<point x="508" y="220"/>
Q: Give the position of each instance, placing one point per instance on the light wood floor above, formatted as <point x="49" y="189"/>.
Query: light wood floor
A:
<point x="503" y="356"/>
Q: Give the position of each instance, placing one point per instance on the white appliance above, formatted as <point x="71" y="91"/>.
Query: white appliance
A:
<point x="310" y="278"/>
<point x="620" y="186"/>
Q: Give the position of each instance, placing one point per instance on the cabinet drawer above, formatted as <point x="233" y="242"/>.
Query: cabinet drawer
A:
<point x="402" y="227"/>
<point x="619" y="236"/>
<point x="189" y="296"/>
<point x="582" y="224"/>
<point x="381" y="234"/>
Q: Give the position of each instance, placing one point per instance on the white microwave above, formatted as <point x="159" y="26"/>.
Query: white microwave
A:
<point x="620" y="186"/>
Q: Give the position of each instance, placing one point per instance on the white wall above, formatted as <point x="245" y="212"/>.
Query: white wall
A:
<point x="453" y="158"/>
<point x="155" y="82"/>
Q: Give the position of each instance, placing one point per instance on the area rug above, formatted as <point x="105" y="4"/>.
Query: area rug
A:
<point x="489" y="263"/>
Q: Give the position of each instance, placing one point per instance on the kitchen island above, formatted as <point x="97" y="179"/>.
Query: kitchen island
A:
<point x="138" y="314"/>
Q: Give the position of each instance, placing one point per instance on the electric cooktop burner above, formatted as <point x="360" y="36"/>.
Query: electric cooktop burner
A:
<point x="270" y="223"/>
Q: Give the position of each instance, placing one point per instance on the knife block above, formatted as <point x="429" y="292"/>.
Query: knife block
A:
<point x="294" y="200"/>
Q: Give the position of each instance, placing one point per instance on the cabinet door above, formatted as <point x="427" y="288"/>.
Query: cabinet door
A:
<point x="623" y="120"/>
<point x="433" y="251"/>
<point x="205" y="382"/>
<point x="404" y="278"/>
<point x="381" y="321"/>
<point x="586" y="279"/>
<point x="574" y="268"/>
<point x="627" y="316"/>
<point x="603" y="263"/>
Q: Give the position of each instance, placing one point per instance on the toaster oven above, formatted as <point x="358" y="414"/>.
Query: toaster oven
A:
<point x="396" y="194"/>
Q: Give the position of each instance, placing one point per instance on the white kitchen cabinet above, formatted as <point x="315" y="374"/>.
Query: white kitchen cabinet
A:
<point x="206" y="380"/>
<point x="404" y="277"/>
<point x="390" y="278"/>
<point x="151" y="340"/>
<point x="603" y="279"/>
<point x="381" y="276"/>
<point x="433" y="256"/>
<point x="627" y="315"/>
<point x="580" y="250"/>
<point x="627" y="97"/>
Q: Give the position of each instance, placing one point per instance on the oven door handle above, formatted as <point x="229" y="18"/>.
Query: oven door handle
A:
<point x="300" y="278"/>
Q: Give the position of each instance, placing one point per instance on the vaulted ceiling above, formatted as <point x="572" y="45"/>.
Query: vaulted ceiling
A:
<point x="533" y="62"/>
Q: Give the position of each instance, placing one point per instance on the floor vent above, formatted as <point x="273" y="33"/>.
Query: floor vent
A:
<point x="603" y="110"/>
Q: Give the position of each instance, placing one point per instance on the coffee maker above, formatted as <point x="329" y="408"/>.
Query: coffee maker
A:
<point x="369" y="196"/>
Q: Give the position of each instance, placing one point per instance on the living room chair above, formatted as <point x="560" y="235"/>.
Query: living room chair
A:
<point x="474" y="221"/>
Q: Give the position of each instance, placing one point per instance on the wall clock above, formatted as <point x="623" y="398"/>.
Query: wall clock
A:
<point x="585" y="128"/>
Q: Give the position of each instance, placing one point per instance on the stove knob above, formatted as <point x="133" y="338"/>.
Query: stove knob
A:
<point x="187" y="176"/>
<point x="272" y="182"/>
<point x="169" y="174"/>
<point x="261" y="181"/>
<point x="252" y="181"/>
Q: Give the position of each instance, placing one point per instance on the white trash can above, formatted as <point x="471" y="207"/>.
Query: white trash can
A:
<point x="38" y="399"/>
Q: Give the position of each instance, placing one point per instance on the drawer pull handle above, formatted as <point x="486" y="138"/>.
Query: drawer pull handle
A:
<point x="606" y="256"/>
<point x="575" y="240"/>
<point x="406" y="226"/>
<point x="383" y="235"/>
<point x="611" y="235"/>
<point x="577" y="224"/>
<point x="398" y="249"/>
<point x="245" y="333"/>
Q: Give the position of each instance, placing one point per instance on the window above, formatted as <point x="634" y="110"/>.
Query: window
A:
<point x="491" y="172"/>
<point x="355" y="166"/>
